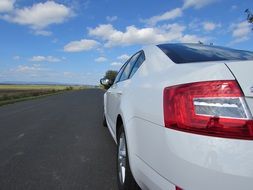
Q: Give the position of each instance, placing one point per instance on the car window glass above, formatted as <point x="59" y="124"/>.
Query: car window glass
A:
<point x="138" y="63"/>
<point x="190" y="53"/>
<point x="120" y="72"/>
<point x="129" y="67"/>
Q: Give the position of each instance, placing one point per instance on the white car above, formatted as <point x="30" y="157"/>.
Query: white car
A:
<point x="181" y="115"/>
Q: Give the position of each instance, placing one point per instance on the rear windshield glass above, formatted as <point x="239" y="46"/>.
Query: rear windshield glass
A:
<point x="190" y="53"/>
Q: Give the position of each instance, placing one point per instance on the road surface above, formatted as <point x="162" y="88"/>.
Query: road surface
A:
<point x="57" y="142"/>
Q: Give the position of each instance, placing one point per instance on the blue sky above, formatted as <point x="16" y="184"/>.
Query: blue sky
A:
<point x="76" y="41"/>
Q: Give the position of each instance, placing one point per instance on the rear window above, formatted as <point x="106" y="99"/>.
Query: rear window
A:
<point x="190" y="53"/>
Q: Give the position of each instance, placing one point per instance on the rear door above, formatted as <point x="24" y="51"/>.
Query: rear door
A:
<point x="118" y="89"/>
<point x="110" y="97"/>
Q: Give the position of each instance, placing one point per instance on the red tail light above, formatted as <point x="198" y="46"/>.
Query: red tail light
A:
<point x="215" y="108"/>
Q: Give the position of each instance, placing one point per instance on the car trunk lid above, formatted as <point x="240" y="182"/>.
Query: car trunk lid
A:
<point x="243" y="72"/>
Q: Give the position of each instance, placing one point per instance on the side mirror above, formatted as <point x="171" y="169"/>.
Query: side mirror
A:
<point x="106" y="82"/>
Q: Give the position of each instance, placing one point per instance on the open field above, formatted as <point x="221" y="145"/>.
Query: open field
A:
<point x="14" y="93"/>
<point x="37" y="87"/>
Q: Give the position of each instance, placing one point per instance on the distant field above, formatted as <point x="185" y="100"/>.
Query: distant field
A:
<point x="14" y="93"/>
<point x="36" y="87"/>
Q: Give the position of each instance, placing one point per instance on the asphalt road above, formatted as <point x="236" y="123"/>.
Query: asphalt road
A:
<point x="57" y="143"/>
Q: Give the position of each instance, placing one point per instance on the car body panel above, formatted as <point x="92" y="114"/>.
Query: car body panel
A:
<point x="151" y="79"/>
<point x="161" y="158"/>
<point x="243" y="72"/>
<point x="113" y="103"/>
<point x="193" y="161"/>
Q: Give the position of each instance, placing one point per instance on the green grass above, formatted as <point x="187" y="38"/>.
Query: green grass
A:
<point x="37" y="87"/>
<point x="16" y="93"/>
<point x="12" y="101"/>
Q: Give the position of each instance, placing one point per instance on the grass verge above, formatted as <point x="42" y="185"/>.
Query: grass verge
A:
<point x="12" y="101"/>
<point x="10" y="94"/>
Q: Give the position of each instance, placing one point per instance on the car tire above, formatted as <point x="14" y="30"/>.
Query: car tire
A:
<point x="125" y="178"/>
<point x="104" y="121"/>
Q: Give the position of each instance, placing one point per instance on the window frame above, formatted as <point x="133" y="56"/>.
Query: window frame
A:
<point x="124" y="66"/>
<point x="141" y="53"/>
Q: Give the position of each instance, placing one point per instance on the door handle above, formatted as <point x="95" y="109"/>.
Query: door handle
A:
<point x="119" y="93"/>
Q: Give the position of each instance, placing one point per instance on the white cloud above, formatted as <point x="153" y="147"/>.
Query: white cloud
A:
<point x="6" y="5"/>
<point x="40" y="15"/>
<point x="111" y="18"/>
<point x="82" y="45"/>
<point x="37" y="72"/>
<point x="116" y="63"/>
<point x="123" y="57"/>
<point x="241" y="31"/>
<point x="139" y="36"/>
<point x="197" y="4"/>
<point x="32" y="70"/>
<point x="16" y="58"/>
<point x="169" y="15"/>
<point x="42" y="33"/>
<point x="177" y="12"/>
<point x="209" y="26"/>
<point x="192" y="39"/>
<point x="100" y="59"/>
<point x="40" y="58"/>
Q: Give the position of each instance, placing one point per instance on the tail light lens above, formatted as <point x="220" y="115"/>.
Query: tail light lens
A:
<point x="215" y="108"/>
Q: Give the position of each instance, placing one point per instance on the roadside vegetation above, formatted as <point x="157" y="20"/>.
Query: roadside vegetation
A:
<point x="15" y="93"/>
<point x="249" y="16"/>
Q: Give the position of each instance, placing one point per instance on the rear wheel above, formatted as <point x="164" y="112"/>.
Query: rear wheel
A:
<point x="125" y="178"/>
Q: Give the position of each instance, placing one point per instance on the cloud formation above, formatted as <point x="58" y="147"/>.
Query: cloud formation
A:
<point x="100" y="59"/>
<point x="29" y="70"/>
<point x="6" y="5"/>
<point x="111" y="18"/>
<point x="141" y="36"/>
<point x="177" y="12"/>
<point x="116" y="64"/>
<point x="123" y="57"/>
<point x="39" y="16"/>
<point x="40" y="58"/>
<point x="169" y="15"/>
<point x="82" y="45"/>
<point x="16" y="57"/>
<point x="241" y="31"/>
<point x="197" y="4"/>
<point x="210" y="26"/>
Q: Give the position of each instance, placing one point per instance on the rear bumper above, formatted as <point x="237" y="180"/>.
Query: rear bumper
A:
<point x="193" y="162"/>
<point x="148" y="178"/>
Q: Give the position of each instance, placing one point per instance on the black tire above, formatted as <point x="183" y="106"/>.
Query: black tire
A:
<point x="104" y="121"/>
<point x="129" y="182"/>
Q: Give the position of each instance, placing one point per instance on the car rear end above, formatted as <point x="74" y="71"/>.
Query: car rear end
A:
<point x="213" y="131"/>
<point x="203" y="138"/>
<point x="215" y="126"/>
